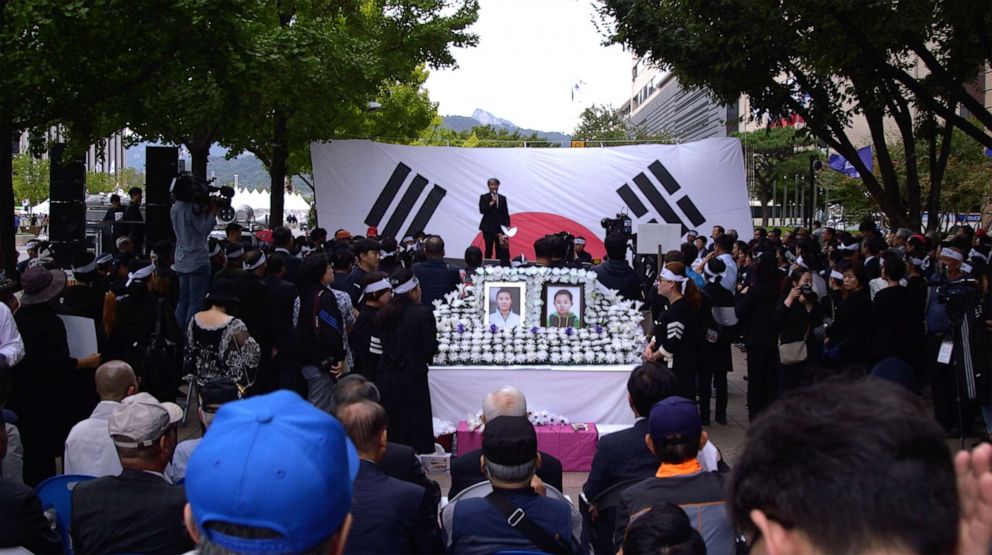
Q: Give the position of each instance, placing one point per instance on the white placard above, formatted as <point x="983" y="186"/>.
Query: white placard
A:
<point x="81" y="334"/>
<point x="649" y="236"/>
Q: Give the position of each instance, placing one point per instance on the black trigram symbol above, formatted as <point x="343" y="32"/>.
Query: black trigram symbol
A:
<point x="657" y="200"/>
<point x="406" y="204"/>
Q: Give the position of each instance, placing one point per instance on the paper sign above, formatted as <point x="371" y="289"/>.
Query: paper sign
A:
<point x="946" y="348"/>
<point x="81" y="333"/>
<point x="649" y="236"/>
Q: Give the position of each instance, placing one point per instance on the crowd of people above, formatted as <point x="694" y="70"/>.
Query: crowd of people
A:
<point x="325" y="341"/>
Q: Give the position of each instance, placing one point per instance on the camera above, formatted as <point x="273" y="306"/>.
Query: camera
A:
<point x="621" y="223"/>
<point x="187" y="187"/>
<point x="806" y="291"/>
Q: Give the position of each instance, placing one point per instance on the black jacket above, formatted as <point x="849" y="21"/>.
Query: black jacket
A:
<point x="465" y="472"/>
<point x="135" y="512"/>
<point x="22" y="523"/>
<point x="896" y="325"/>
<point x="293" y="265"/>
<point x="391" y="516"/>
<point x="493" y="216"/>
<point x="437" y="279"/>
<point x="756" y="315"/>
<point x="618" y="275"/>
<point x="621" y="456"/>
<point x="135" y="226"/>
<point x="849" y="331"/>
<point x="401" y="462"/>
<point x="282" y="296"/>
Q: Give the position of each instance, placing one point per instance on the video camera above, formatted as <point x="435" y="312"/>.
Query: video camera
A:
<point x="187" y="187"/>
<point x="621" y="224"/>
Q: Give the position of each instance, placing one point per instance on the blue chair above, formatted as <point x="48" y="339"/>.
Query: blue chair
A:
<point x="55" y="494"/>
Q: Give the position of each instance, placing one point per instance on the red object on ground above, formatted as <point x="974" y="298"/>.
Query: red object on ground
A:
<point x="533" y="225"/>
<point x="264" y="235"/>
<point x="574" y="449"/>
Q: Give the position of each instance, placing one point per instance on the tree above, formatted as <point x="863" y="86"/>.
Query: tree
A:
<point x="779" y="154"/>
<point x="603" y="123"/>
<point x="481" y="136"/>
<point x="318" y="65"/>
<point x="829" y="61"/>
<point x="30" y="178"/>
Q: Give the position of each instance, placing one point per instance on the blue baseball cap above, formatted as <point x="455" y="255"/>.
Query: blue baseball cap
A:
<point x="674" y="416"/>
<point x="277" y="462"/>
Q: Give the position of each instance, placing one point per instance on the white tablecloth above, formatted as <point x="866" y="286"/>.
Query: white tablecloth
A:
<point x="595" y="394"/>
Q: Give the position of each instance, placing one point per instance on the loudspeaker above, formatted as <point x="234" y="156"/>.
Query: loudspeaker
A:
<point x="67" y="191"/>
<point x="161" y="167"/>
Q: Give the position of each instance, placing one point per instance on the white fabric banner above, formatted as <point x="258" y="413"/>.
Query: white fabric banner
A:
<point x="402" y="189"/>
<point x="580" y="393"/>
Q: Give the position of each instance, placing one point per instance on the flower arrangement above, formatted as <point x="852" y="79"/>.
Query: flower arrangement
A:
<point x="612" y="334"/>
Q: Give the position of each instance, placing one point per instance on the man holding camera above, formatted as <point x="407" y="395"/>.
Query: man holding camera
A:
<point x="495" y="214"/>
<point x="193" y="217"/>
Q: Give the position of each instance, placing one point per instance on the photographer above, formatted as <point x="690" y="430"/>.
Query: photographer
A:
<point x="193" y="217"/>
<point x="950" y="315"/>
<point x="615" y="272"/>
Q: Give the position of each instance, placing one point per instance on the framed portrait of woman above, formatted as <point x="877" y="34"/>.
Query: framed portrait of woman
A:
<point x="564" y="304"/>
<point x="506" y="304"/>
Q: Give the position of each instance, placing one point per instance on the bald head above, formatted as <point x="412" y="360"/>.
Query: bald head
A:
<point x="505" y="401"/>
<point x="115" y="380"/>
<point x="365" y="422"/>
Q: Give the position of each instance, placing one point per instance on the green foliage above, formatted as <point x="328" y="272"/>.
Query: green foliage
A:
<point x="481" y="136"/>
<point x="99" y="182"/>
<point x="603" y="123"/>
<point x="30" y="179"/>
<point x="778" y="155"/>
<point x="828" y="61"/>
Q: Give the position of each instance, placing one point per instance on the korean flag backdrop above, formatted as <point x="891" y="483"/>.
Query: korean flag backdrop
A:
<point x="403" y="189"/>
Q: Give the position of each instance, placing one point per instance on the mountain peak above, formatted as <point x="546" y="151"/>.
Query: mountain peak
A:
<point x="485" y="118"/>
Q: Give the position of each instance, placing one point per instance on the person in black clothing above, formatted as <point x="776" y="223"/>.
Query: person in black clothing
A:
<point x="718" y="319"/>
<point x="215" y="250"/>
<point x="342" y="260"/>
<point x="134" y="323"/>
<point x="284" y="317"/>
<point x="847" y="337"/>
<point x="473" y="261"/>
<point x="389" y="259"/>
<point x="896" y="320"/>
<point x="408" y="334"/>
<point x="323" y="329"/>
<point x="254" y="311"/>
<point x="615" y="272"/>
<point x="436" y="277"/>
<point x="677" y="337"/>
<point x="23" y="524"/>
<point x="112" y="230"/>
<point x="282" y="240"/>
<point x="44" y="381"/>
<point x="756" y="314"/>
<point x="135" y="222"/>
<point x="581" y="256"/>
<point x="376" y="292"/>
<point x="366" y="260"/>
<point x="797" y="314"/>
<point x="84" y="298"/>
<point x="495" y="214"/>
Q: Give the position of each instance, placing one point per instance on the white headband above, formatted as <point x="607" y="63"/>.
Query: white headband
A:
<point x="966" y="268"/>
<point x="140" y="274"/>
<point x="105" y="258"/>
<point x="378" y="286"/>
<point x="410" y="285"/>
<point x="851" y="247"/>
<point x="669" y="275"/>
<point x="236" y="253"/>
<point x="836" y="275"/>
<point x="975" y="254"/>
<point x="916" y="261"/>
<point x="951" y="253"/>
<point x="711" y="273"/>
<point x="91" y="267"/>
<point x="580" y="241"/>
<point x="258" y="263"/>
<point x="216" y="250"/>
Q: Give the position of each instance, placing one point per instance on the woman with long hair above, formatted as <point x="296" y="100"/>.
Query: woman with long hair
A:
<point x="408" y="334"/>
<point x="797" y="313"/>
<point x="376" y="292"/>
<point x="677" y="337"/>
<point x="756" y="313"/>
<point x="326" y="319"/>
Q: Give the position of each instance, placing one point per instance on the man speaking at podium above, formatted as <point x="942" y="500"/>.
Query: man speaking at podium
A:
<point x="494" y="214"/>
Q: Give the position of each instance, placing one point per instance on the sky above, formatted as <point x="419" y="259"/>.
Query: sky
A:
<point x="530" y="55"/>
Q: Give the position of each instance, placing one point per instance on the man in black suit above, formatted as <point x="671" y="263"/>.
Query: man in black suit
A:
<point x="390" y="515"/>
<point x="436" y="277"/>
<point x="494" y="212"/>
<point x="399" y="461"/>
<point x="138" y="511"/>
<point x="284" y="308"/>
<point x="282" y="239"/>
<point x="466" y="469"/>
<point x="22" y="523"/>
<point x="136" y="223"/>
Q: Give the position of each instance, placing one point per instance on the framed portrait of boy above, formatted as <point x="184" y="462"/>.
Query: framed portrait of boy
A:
<point x="506" y="304"/>
<point x="564" y="304"/>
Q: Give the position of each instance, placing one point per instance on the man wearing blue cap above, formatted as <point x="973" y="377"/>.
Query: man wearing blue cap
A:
<point x="273" y="475"/>
<point x="676" y="435"/>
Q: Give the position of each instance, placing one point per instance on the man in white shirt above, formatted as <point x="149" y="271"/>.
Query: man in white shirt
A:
<point x="88" y="449"/>
<point x="11" y="346"/>
<point x="213" y="394"/>
<point x="722" y="247"/>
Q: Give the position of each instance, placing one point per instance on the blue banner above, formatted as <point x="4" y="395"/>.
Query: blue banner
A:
<point x="988" y="152"/>
<point x="840" y="164"/>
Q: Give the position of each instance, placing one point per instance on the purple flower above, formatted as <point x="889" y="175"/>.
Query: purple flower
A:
<point x="533" y="330"/>
<point x="460" y="328"/>
<point x="569" y="331"/>
<point x="599" y="329"/>
<point x="493" y="328"/>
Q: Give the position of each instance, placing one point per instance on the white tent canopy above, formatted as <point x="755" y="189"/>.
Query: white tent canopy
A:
<point x="259" y="201"/>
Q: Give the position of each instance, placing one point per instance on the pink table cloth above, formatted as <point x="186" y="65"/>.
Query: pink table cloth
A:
<point x="574" y="449"/>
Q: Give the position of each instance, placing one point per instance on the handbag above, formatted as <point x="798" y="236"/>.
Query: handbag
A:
<point x="793" y="352"/>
